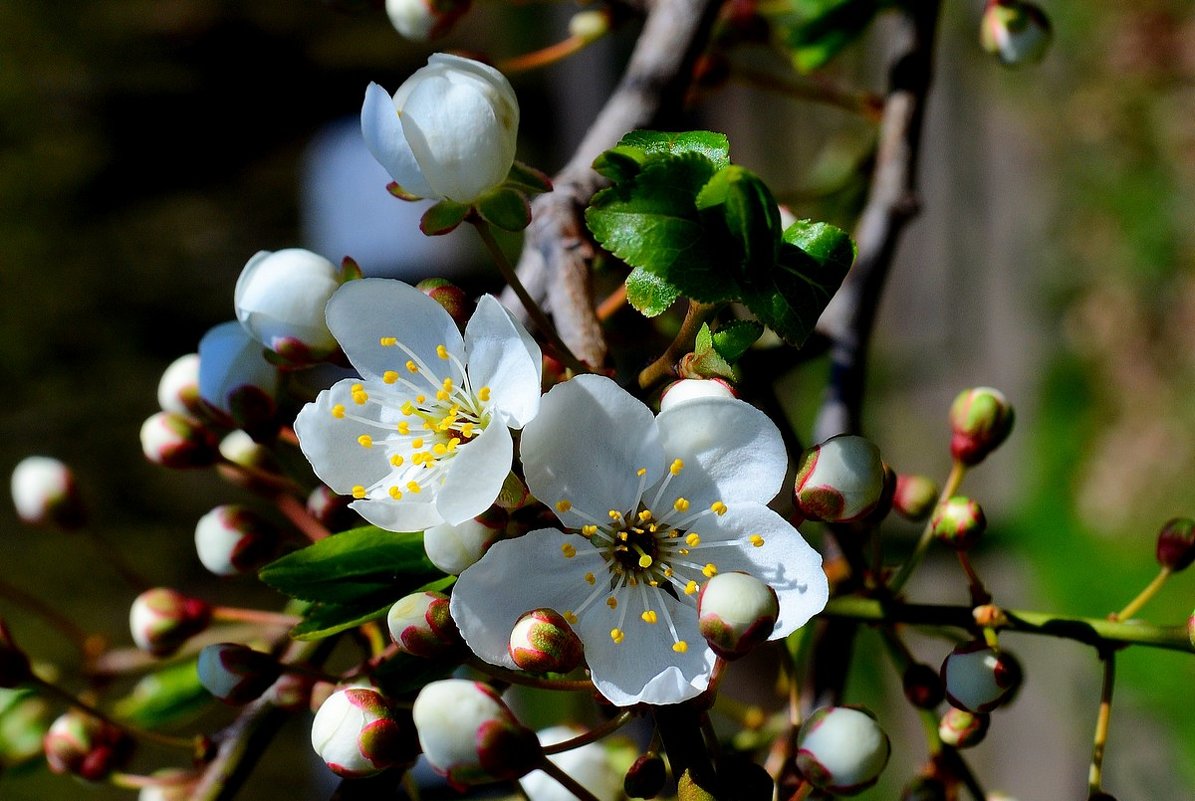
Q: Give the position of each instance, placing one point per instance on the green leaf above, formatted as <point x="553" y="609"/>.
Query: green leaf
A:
<point x="732" y="339"/>
<point x="830" y="246"/>
<point x="648" y="293"/>
<point x="323" y="620"/>
<point x="817" y="30"/>
<point x="506" y="208"/>
<point x="362" y="567"/>
<point x="443" y="217"/>
<point x="706" y="361"/>
<point x="736" y="201"/>
<point x="619" y="163"/>
<point x="713" y="146"/>
<point x="164" y="697"/>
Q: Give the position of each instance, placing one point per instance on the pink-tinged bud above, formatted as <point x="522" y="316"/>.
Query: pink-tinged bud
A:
<point x="962" y="729"/>
<point x="178" y="389"/>
<point x="452" y="548"/>
<point x="14" y="664"/>
<point x="454" y="299"/>
<point x="923" y="686"/>
<point x="915" y="496"/>
<point x="735" y="613"/>
<point x="980" y="420"/>
<point x="235" y="380"/>
<point x="331" y="510"/>
<point x="925" y="788"/>
<point x="421" y="20"/>
<point x="45" y="493"/>
<point x="470" y="736"/>
<point x="235" y="673"/>
<point x="233" y="539"/>
<point x="646" y="777"/>
<point x="175" y="441"/>
<point x="1176" y="544"/>
<point x="240" y="448"/>
<point x="979" y="678"/>
<point x="83" y="746"/>
<point x="280" y="298"/>
<point x="958" y="522"/>
<point x="542" y="641"/>
<point x="1018" y="33"/>
<point x="840" y="480"/>
<point x="161" y="620"/>
<point x="688" y="389"/>
<point x="590" y="765"/>
<point x="842" y="750"/>
<point x="421" y="626"/>
<point x="292" y="692"/>
<point x="356" y="735"/>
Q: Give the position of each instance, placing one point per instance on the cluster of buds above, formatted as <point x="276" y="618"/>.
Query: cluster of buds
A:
<point x="842" y="750"/>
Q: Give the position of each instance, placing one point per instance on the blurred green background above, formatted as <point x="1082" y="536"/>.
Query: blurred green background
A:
<point x="149" y="147"/>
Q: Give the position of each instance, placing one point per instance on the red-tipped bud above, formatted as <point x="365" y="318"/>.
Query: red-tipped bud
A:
<point x="454" y="299"/>
<point x="421" y="626"/>
<point x="958" y="522"/>
<point x="83" y="746"/>
<point x="962" y="729"/>
<point x="980" y="420"/>
<point x="842" y="750"/>
<point x="452" y="548"/>
<point x="14" y="664"/>
<point x="470" y="736"/>
<point x="840" y="480"/>
<point x="915" y="496"/>
<point x="735" y="613"/>
<point x="178" y="389"/>
<point x="162" y="619"/>
<point x="356" y="735"/>
<point x="175" y="441"/>
<point x="646" y="776"/>
<point x="979" y="678"/>
<point x="1176" y="544"/>
<point x="44" y="493"/>
<point x="542" y="641"/>
<point x="688" y="389"/>
<point x="1017" y="33"/>
<point x="280" y="298"/>
<point x="235" y="673"/>
<point x="240" y="448"/>
<point x="235" y="380"/>
<point x="923" y="686"/>
<point x="330" y="509"/>
<point x="233" y="539"/>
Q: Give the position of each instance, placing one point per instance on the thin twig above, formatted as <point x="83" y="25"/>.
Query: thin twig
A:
<point x="1095" y="776"/>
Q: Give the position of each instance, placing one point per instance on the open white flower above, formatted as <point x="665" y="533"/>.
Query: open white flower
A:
<point x="651" y="508"/>
<point x="422" y="437"/>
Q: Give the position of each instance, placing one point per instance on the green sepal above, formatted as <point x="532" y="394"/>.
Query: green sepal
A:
<point x="650" y="294"/>
<point x="349" y="270"/>
<point x="507" y="208"/>
<point x="527" y="179"/>
<point x="738" y="203"/>
<point x="443" y="217"/>
<point x="732" y="339"/>
<point x="814" y="31"/>
<point x="400" y="193"/>
<point x="165" y="697"/>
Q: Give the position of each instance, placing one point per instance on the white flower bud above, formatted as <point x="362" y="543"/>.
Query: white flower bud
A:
<point x="175" y="441"/>
<point x="590" y="765"/>
<point x="979" y="678"/>
<point x="44" y="493"/>
<point x="234" y="377"/>
<point x="735" y="613"/>
<point x="454" y="548"/>
<point x="420" y="624"/>
<point x="840" y="480"/>
<point x="542" y="641"/>
<point x="280" y="298"/>
<point x="235" y="673"/>
<point x="1016" y="32"/>
<point x="232" y="539"/>
<point x="470" y="736"/>
<point x="162" y="619"/>
<point x="421" y="20"/>
<point x="178" y="389"/>
<point x="690" y="388"/>
<point x="355" y="733"/>
<point x="961" y="729"/>
<point x="84" y="746"/>
<point x="842" y="750"/>
<point x="448" y="132"/>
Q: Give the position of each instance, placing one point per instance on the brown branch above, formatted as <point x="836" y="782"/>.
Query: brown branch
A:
<point x="554" y="265"/>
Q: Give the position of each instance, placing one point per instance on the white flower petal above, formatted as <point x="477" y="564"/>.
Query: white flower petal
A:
<point x="732" y="452"/>
<point x="504" y="357"/>
<point x="331" y="445"/>
<point x="406" y="515"/>
<point x="586" y="446"/>
<point x="382" y="130"/>
<point x="362" y="312"/>
<point x="475" y="474"/>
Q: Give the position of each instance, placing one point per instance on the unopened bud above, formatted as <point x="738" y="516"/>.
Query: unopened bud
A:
<point x="958" y="522"/>
<point x="542" y="641"/>
<point x="840" y="480"/>
<point x="421" y="20"/>
<point x="688" y="389"/>
<point x="81" y="745"/>
<point x="978" y="678"/>
<point x="452" y="548"/>
<point x="923" y="686"/>
<point x="233" y="539"/>
<point x="241" y="449"/>
<point x="330" y="509"/>
<point x="356" y="735"/>
<point x="235" y="379"/>
<point x="842" y="750"/>
<point x="470" y="736"/>
<point x="925" y="788"/>
<point x="1016" y="32"/>
<point x="420" y="624"/>
<point x="454" y="299"/>
<point x="589" y="26"/>
<point x="646" y="776"/>
<point x="590" y="765"/>
<point x="175" y="441"/>
<point x="14" y="664"/>
<point x="178" y="389"/>
<point x="980" y="420"/>
<point x="235" y="673"/>
<point x="915" y="496"/>
<point x="1176" y="544"/>
<point x="735" y="613"/>
<point x="162" y="619"/>
<point x="962" y="729"/>
<point x="280" y="298"/>
<point x="45" y="493"/>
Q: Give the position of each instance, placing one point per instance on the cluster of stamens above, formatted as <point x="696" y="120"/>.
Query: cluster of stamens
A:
<point x="435" y="417"/>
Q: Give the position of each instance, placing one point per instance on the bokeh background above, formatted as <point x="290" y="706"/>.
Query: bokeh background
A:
<point x="149" y="147"/>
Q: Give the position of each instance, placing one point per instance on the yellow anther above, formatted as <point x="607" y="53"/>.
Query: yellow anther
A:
<point x="571" y="617"/>
<point x="396" y="493"/>
<point x="564" y="505"/>
<point x="446" y="384"/>
<point x="365" y="441"/>
<point x="645" y="561"/>
<point x="414" y="487"/>
<point x="681" y="505"/>
<point x="397" y="460"/>
<point x="653" y="528"/>
<point x="483" y="394"/>
<point x="404" y="427"/>
<point x="388" y="342"/>
<point x="442" y="394"/>
<point x="756" y="540"/>
<point x="358" y="492"/>
<point x="617" y="636"/>
<point x="467" y="430"/>
<point x="417" y="442"/>
<point x="590" y="578"/>
<point x="680" y="646"/>
<point x="407" y="408"/>
<point x="718" y="508"/>
<point x="568" y="550"/>
<point x="612" y="602"/>
<point x="615" y="514"/>
<point x="710" y="570"/>
<point x="693" y="539"/>
<point x="421" y="399"/>
<point x="338" y="411"/>
<point x="412" y="367"/>
<point x="641" y="472"/>
<point x="428" y="425"/>
<point x="588" y="530"/>
<point x="649" y="616"/>
<point x="390" y="377"/>
<point x="691" y="587"/>
<point x="452" y="443"/>
<point x="676" y="466"/>
<point x="442" y="352"/>
<point x="356" y="387"/>
<point x="440" y="449"/>
<point x="360" y="398"/>
<point x="644" y="516"/>
<point x="667" y="572"/>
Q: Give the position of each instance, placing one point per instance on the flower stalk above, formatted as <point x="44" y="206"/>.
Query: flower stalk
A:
<point x="1151" y="589"/>
<point x="593" y="735"/>
<point x="957" y="471"/>
<point x="1103" y="721"/>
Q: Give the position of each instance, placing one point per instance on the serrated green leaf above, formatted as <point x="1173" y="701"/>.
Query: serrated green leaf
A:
<point x="732" y="339"/>
<point x="365" y="566"/>
<point x="443" y="217"/>
<point x="619" y="163"/>
<point x="830" y="246"/>
<point x="650" y="294"/>
<point x="802" y="283"/>
<point x="164" y="697"/>
<point x="506" y="208"/>
<point x="736" y="201"/>
<point x="713" y="146"/>
<point x="817" y="30"/>
<point x="706" y="360"/>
